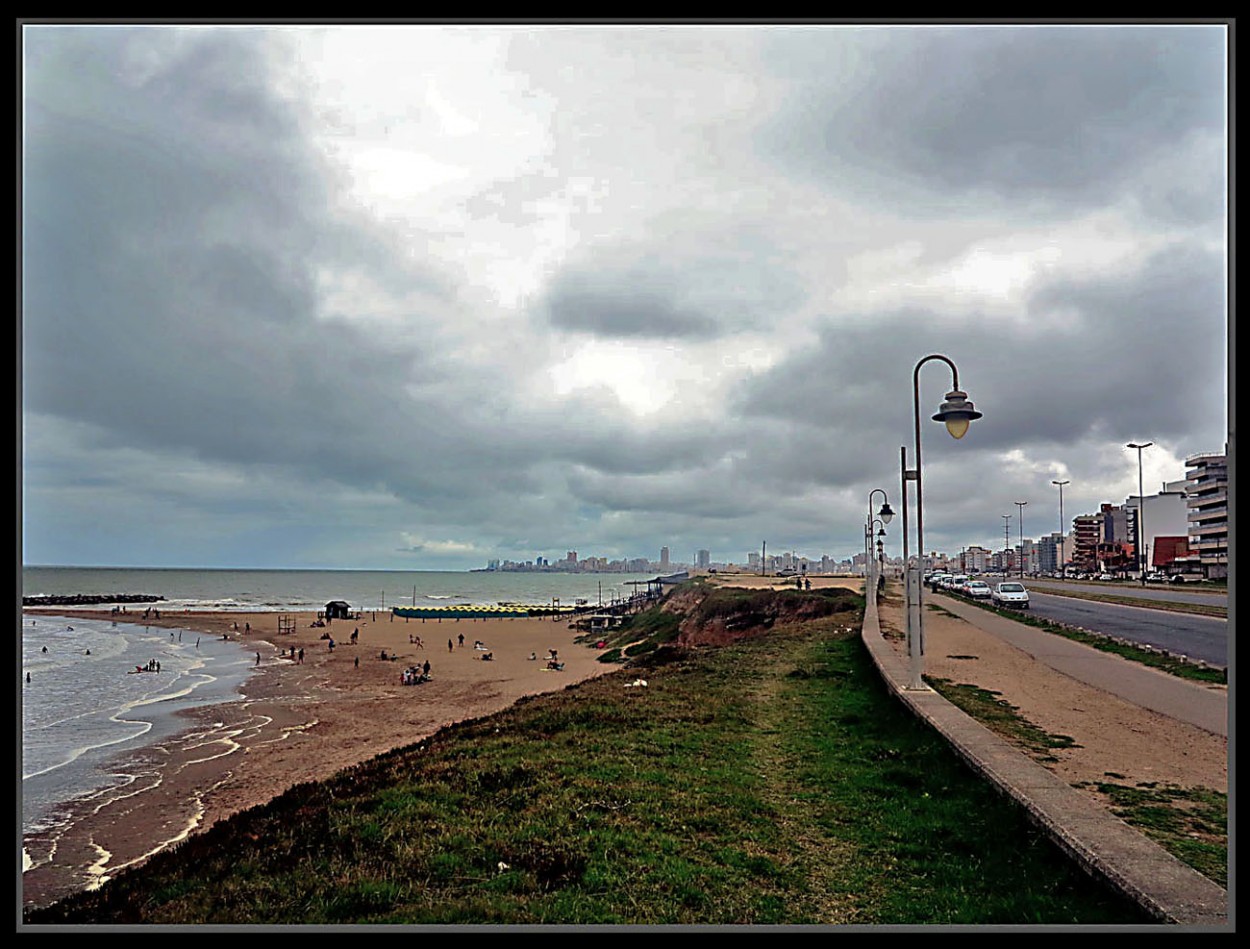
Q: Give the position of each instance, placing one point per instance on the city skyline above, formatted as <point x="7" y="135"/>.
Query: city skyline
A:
<point x="420" y="296"/>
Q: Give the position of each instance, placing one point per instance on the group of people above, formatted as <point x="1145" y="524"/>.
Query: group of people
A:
<point x="415" y="675"/>
<point x="152" y="666"/>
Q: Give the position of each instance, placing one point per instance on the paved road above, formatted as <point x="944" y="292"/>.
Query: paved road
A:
<point x="1202" y="705"/>
<point x="1135" y="591"/>
<point x="1199" y="637"/>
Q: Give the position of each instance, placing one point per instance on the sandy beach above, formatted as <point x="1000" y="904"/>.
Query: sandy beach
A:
<point x="302" y="722"/>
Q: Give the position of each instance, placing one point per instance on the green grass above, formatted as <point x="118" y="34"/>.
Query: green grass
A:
<point x="771" y="781"/>
<point x="1190" y="823"/>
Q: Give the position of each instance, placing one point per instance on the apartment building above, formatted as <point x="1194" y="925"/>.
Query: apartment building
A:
<point x="1206" y="478"/>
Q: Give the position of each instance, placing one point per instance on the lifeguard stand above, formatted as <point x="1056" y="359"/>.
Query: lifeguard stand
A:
<point x="286" y="623"/>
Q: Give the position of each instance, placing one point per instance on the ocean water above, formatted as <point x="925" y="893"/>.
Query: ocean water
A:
<point x="85" y="711"/>
<point x="298" y="590"/>
<point x="84" y="708"/>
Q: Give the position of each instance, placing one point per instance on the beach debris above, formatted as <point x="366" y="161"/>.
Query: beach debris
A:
<point x="636" y="684"/>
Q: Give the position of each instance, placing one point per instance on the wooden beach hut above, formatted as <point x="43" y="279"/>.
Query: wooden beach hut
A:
<point x="338" y="609"/>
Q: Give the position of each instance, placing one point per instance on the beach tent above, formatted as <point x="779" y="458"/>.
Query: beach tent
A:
<point x="338" y="609"/>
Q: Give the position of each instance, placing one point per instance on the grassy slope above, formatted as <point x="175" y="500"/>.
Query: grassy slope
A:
<point x="771" y="781"/>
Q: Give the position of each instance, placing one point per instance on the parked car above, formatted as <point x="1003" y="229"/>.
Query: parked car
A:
<point x="1156" y="578"/>
<point x="978" y="590"/>
<point x="1105" y="576"/>
<point x="1010" y="594"/>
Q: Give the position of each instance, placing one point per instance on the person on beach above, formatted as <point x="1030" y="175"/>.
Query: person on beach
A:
<point x="28" y="678"/>
<point x="258" y="659"/>
<point x="449" y="646"/>
<point x="301" y="657"/>
<point x="462" y="639"/>
<point x="425" y="669"/>
<point x="357" y="662"/>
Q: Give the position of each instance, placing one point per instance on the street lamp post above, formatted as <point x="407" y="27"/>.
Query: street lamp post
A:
<point x="1063" y="564"/>
<point x="1141" y="514"/>
<point x="886" y="514"/>
<point x="956" y="412"/>
<point x="1020" y="505"/>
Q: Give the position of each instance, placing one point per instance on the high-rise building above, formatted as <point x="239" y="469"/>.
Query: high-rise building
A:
<point x="664" y="558"/>
<point x="1207" y="499"/>
<point x="703" y="559"/>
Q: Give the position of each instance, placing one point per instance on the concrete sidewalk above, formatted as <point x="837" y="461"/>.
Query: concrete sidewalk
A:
<point x="1102" y="843"/>
<point x="1203" y="706"/>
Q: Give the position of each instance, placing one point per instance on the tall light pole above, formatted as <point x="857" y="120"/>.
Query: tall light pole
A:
<point x="1020" y="505"/>
<point x="1063" y="565"/>
<point x="1141" y="513"/>
<point x="956" y="412"/>
<point x="1007" y="545"/>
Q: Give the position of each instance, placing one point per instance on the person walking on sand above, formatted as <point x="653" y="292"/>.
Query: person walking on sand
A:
<point x="258" y="659"/>
<point x="301" y="657"/>
<point x="462" y="639"/>
<point x="450" y="647"/>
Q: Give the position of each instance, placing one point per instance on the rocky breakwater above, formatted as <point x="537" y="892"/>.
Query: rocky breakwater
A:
<point x="89" y="599"/>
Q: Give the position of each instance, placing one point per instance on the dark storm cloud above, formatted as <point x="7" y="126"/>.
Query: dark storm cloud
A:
<point x="1105" y="356"/>
<point x="172" y="261"/>
<point x="1061" y="114"/>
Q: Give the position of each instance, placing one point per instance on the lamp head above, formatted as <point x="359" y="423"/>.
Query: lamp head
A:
<point x="886" y="513"/>
<point x="956" y="412"/>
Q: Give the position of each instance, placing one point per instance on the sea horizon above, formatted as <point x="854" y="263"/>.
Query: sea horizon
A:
<point x="309" y="589"/>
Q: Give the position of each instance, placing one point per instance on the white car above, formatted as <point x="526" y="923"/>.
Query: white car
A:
<point x="978" y="590"/>
<point x="1011" y="594"/>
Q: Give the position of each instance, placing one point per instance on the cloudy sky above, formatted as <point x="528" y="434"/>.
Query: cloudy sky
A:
<point x="421" y="296"/>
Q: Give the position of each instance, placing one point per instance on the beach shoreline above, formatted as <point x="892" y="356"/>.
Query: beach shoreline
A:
<point x="295" y="722"/>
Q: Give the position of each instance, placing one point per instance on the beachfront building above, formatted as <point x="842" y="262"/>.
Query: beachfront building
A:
<point x="1166" y="514"/>
<point x="1207" y="512"/>
<point x="703" y="559"/>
